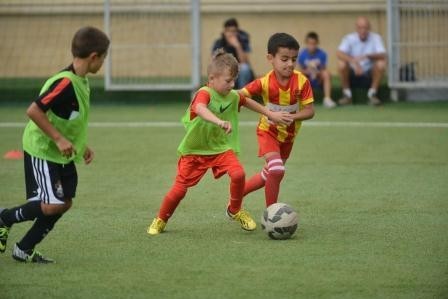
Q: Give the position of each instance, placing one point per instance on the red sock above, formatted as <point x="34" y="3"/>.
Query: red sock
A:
<point x="275" y="175"/>
<point x="171" y="201"/>
<point x="237" y="179"/>
<point x="256" y="182"/>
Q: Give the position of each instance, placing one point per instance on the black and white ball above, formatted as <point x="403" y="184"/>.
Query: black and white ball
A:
<point x="279" y="221"/>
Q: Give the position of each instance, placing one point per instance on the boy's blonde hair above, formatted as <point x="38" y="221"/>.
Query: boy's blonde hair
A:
<point x="222" y="61"/>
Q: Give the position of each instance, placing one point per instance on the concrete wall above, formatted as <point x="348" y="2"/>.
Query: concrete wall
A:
<point x="35" y="40"/>
<point x="331" y="27"/>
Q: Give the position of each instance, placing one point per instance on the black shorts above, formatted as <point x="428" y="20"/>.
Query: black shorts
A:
<point x="50" y="182"/>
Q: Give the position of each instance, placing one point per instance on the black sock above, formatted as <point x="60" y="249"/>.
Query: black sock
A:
<point x="40" y="229"/>
<point x="29" y="211"/>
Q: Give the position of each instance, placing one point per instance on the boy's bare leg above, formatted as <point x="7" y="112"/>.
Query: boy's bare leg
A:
<point x="326" y="81"/>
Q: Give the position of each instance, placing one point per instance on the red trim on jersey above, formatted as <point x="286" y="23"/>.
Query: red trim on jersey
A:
<point x="57" y="90"/>
<point x="307" y="92"/>
<point x="201" y="97"/>
<point x="279" y="86"/>
<point x="274" y="89"/>
<point x="242" y="101"/>
<point x="254" y="87"/>
<point x="294" y="93"/>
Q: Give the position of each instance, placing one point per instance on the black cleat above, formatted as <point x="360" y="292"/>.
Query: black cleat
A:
<point x="35" y="257"/>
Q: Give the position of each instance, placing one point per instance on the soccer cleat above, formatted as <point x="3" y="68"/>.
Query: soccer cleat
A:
<point x="244" y="218"/>
<point x="344" y="101"/>
<point x="35" y="257"/>
<point x="4" y="232"/>
<point x="157" y="226"/>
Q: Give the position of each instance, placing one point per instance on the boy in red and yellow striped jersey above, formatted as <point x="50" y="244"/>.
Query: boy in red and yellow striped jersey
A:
<point x="282" y="89"/>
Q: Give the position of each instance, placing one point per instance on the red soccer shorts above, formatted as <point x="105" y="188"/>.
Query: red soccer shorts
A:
<point x="191" y="168"/>
<point x="268" y="143"/>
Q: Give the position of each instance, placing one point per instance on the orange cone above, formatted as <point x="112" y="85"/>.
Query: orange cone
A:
<point x="13" y="155"/>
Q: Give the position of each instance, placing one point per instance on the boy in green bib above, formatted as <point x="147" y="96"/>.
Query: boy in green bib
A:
<point x="212" y="142"/>
<point x="55" y="138"/>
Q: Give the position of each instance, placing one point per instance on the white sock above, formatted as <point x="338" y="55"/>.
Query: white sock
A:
<point x="371" y="92"/>
<point x="347" y="92"/>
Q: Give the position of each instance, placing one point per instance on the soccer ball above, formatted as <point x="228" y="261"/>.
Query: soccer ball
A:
<point x="279" y="221"/>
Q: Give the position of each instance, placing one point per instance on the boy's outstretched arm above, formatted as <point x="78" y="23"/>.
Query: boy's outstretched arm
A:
<point x="202" y="111"/>
<point x="277" y="117"/>
<point x="40" y="118"/>
<point x="307" y="112"/>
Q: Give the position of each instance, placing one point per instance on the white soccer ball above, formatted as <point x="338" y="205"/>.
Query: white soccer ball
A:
<point x="279" y="221"/>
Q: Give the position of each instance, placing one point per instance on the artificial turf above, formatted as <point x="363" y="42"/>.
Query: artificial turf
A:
<point x="373" y="205"/>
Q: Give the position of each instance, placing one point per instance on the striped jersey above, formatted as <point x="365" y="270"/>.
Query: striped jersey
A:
<point x="289" y="98"/>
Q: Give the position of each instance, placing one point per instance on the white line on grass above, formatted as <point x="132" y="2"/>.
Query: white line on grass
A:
<point x="313" y="123"/>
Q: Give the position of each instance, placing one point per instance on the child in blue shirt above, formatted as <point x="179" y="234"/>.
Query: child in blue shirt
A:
<point x="313" y="63"/>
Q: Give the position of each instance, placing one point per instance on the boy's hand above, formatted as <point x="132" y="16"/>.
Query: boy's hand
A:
<point x="281" y="117"/>
<point x="226" y="126"/>
<point x="88" y="156"/>
<point x="65" y="147"/>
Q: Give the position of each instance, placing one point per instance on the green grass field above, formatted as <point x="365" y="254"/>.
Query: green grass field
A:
<point x="373" y="204"/>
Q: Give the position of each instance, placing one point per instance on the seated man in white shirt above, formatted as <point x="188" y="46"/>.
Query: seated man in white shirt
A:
<point x="362" y="57"/>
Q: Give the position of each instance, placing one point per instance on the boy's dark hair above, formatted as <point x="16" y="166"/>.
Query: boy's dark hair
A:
<point x="88" y="40"/>
<point x="222" y="61"/>
<point x="281" y="40"/>
<point x="232" y="22"/>
<point x="312" y="35"/>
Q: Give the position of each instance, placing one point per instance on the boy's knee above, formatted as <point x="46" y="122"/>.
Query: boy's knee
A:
<point x="244" y="68"/>
<point x="325" y="74"/>
<point x="237" y="175"/>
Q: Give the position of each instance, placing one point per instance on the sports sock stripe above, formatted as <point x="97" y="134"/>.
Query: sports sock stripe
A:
<point x="278" y="167"/>
<point x="264" y="175"/>
<point x="275" y="161"/>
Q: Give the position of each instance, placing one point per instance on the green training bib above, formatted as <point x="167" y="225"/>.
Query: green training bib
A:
<point x="205" y="138"/>
<point x="38" y="144"/>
